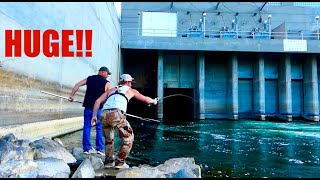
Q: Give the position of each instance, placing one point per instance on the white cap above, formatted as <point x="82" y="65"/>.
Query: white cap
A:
<point x="126" y="77"/>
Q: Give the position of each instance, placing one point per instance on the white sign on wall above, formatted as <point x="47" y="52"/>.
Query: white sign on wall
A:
<point x="159" y="24"/>
<point x="294" y="45"/>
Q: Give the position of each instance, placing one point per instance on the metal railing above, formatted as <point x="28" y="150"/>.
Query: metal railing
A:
<point x="231" y="34"/>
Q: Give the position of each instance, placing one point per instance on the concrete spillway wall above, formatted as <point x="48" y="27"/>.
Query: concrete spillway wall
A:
<point x="22" y="78"/>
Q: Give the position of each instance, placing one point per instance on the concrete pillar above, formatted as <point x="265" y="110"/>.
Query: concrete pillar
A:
<point x="201" y="84"/>
<point x="310" y="85"/>
<point x="259" y="109"/>
<point x="233" y="87"/>
<point x="160" y="85"/>
<point x="285" y="95"/>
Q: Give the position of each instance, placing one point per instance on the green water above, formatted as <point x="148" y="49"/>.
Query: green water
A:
<point x="225" y="148"/>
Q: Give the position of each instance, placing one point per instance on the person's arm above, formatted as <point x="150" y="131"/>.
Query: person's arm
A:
<point x="143" y="98"/>
<point x="107" y="86"/>
<point x="96" y="106"/>
<point x="76" y="88"/>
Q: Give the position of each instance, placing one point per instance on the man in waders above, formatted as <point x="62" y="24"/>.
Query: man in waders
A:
<point x="114" y="119"/>
<point x="96" y="86"/>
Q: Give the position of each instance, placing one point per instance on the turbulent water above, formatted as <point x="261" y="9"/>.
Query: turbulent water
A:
<point x="225" y="148"/>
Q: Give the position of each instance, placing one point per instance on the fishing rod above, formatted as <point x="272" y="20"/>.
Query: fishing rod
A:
<point x="145" y="119"/>
<point x="59" y="96"/>
<point x="174" y="95"/>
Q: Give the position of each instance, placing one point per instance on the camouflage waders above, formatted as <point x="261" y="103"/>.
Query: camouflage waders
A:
<point x="114" y="120"/>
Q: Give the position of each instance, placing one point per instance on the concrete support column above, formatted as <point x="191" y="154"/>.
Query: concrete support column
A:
<point x="201" y="84"/>
<point x="160" y="85"/>
<point x="310" y="85"/>
<point x="285" y="95"/>
<point x="259" y="109"/>
<point x="233" y="87"/>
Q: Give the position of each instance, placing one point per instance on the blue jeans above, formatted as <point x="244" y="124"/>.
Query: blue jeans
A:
<point x="86" y="145"/>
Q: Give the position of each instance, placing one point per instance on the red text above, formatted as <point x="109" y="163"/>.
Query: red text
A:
<point x="33" y="41"/>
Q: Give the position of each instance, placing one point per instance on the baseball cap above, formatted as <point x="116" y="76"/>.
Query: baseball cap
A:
<point x="103" y="68"/>
<point x="126" y="77"/>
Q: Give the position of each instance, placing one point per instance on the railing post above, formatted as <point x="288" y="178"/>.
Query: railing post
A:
<point x="317" y="19"/>
<point x="204" y="24"/>
<point x="139" y="14"/>
<point x="269" y="20"/>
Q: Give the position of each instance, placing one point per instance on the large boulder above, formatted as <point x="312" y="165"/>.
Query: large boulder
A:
<point x="78" y="154"/>
<point x="52" y="168"/>
<point x="46" y="147"/>
<point x="96" y="162"/>
<point x="18" y="168"/>
<point x="44" y="158"/>
<point x="180" y="167"/>
<point x="143" y="171"/>
<point x="9" y="137"/>
<point x="85" y="170"/>
<point x="11" y="148"/>
<point x="95" y="158"/>
<point x="7" y="151"/>
<point x="172" y="168"/>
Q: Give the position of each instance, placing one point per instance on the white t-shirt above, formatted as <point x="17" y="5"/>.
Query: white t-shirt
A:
<point x="116" y="100"/>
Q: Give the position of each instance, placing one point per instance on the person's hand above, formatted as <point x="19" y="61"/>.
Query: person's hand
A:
<point x="155" y="101"/>
<point x="71" y="99"/>
<point x="93" y="121"/>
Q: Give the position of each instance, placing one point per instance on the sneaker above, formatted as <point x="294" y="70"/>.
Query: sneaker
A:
<point x="123" y="166"/>
<point x="109" y="165"/>
<point x="92" y="150"/>
<point x="101" y="153"/>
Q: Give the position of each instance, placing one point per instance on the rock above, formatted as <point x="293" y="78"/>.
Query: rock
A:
<point x="9" y="137"/>
<point x="46" y="147"/>
<point x="18" y="168"/>
<point x="7" y="151"/>
<point x="144" y="171"/>
<point x="52" y="168"/>
<point x="32" y="174"/>
<point x="94" y="157"/>
<point x="17" y="150"/>
<point x="16" y="159"/>
<point x="58" y="141"/>
<point x="107" y="172"/>
<point x="184" y="173"/>
<point x="85" y="170"/>
<point x="96" y="162"/>
<point x="180" y="167"/>
<point x="78" y="154"/>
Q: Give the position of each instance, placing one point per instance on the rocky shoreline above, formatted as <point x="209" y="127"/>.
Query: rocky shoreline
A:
<point x="48" y="158"/>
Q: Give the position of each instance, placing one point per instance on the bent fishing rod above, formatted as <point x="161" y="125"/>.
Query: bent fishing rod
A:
<point x="172" y="95"/>
<point x="55" y="95"/>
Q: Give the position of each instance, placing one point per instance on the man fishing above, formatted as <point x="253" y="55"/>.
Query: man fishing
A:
<point x="113" y="119"/>
<point x="96" y="85"/>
